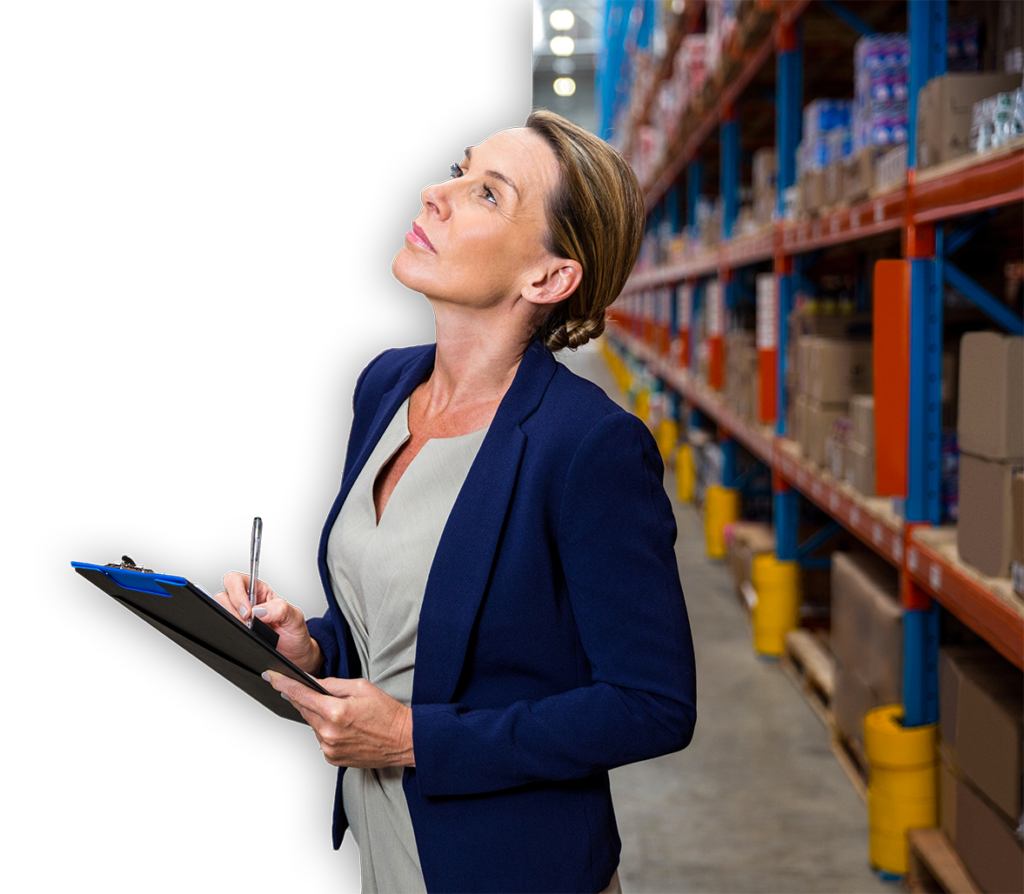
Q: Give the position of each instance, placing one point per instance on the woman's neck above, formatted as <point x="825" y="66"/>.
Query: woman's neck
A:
<point x="476" y="361"/>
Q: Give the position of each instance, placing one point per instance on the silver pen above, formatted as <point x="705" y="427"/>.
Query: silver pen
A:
<point x="254" y="564"/>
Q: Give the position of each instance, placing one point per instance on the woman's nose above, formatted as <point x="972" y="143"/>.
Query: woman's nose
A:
<point x="436" y="198"/>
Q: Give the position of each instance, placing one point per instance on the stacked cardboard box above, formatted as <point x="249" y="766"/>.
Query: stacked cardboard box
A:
<point x="749" y="539"/>
<point x="741" y="373"/>
<point x="860" y="451"/>
<point x="866" y="639"/>
<point x="829" y="372"/>
<point x="990" y="430"/>
<point x="981" y="721"/>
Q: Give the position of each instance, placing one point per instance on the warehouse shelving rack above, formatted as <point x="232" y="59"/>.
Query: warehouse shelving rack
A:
<point x="925" y="211"/>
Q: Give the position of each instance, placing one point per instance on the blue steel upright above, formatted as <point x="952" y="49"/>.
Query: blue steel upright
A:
<point x="788" y="123"/>
<point x="928" y="23"/>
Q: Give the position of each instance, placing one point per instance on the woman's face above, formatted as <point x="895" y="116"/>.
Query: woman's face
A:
<point x="479" y="238"/>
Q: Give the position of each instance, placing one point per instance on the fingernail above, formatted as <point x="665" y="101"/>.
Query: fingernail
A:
<point x="243" y="610"/>
<point x="284" y="695"/>
<point x="266" y="676"/>
<point x="260" y="611"/>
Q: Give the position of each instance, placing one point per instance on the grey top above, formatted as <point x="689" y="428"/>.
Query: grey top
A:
<point x="378" y="574"/>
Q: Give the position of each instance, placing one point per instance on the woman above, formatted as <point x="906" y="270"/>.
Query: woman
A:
<point x="502" y="530"/>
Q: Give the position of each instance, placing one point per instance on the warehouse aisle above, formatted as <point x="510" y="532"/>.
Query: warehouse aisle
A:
<point x="758" y="802"/>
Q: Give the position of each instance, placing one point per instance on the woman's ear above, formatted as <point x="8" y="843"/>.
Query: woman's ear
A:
<point x="554" y="282"/>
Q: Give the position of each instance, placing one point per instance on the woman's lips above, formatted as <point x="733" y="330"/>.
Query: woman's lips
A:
<point x="418" y="237"/>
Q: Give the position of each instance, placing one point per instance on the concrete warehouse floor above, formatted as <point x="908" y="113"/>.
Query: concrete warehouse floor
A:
<point x="758" y="802"/>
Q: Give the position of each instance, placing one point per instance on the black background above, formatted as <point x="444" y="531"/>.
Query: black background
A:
<point x="235" y="192"/>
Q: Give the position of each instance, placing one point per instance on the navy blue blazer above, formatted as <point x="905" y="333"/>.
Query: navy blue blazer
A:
<point x="553" y="638"/>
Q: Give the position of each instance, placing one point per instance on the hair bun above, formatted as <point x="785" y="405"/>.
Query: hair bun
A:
<point x="573" y="334"/>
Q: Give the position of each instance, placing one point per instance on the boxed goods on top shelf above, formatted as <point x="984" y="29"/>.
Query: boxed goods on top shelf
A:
<point x="945" y="113"/>
<point x="996" y="121"/>
<point x="881" y="91"/>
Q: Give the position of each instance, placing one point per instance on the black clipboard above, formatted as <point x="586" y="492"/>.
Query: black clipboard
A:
<point x="189" y="616"/>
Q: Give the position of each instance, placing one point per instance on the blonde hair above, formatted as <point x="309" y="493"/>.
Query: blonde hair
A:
<point x="595" y="217"/>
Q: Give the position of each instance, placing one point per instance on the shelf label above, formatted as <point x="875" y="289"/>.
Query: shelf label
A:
<point x="935" y="577"/>
<point x="912" y="559"/>
<point x="855" y="218"/>
<point x="816" y="490"/>
<point x="854" y="516"/>
<point x="879" y="211"/>
<point x="877" y="533"/>
<point x="897" y="550"/>
<point x="835" y="224"/>
<point x="766" y="340"/>
<point x="833" y="502"/>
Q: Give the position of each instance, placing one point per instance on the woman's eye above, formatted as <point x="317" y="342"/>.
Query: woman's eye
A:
<point x="455" y="171"/>
<point x="489" y="195"/>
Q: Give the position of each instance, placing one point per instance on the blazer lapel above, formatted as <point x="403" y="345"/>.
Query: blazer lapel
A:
<point x="465" y="555"/>
<point x="388" y="403"/>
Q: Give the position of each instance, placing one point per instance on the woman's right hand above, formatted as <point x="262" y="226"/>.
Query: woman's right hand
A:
<point x="285" y="619"/>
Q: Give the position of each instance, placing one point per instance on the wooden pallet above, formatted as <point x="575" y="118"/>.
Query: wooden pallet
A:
<point x="935" y="866"/>
<point x="851" y="758"/>
<point x="808" y="664"/>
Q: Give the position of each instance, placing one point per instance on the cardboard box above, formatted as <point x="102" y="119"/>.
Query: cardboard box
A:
<point x="834" y="183"/>
<point x="838" y="369"/>
<point x="984" y="530"/>
<point x="954" y="665"/>
<point x="990" y="734"/>
<point x="862" y="420"/>
<point x="988" y="845"/>
<point x="947" y="797"/>
<point x="749" y="539"/>
<point x="817" y="424"/>
<point x="860" y="468"/>
<point x="812" y="191"/>
<point x="1017" y="546"/>
<point x="859" y="174"/>
<point x="944" y="109"/>
<point x="797" y="432"/>
<point x="1017" y="562"/>
<point x="867" y="622"/>
<point x="990" y="421"/>
<point x="852" y="698"/>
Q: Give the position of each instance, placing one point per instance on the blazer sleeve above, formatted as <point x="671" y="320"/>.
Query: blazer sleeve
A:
<point x="615" y="538"/>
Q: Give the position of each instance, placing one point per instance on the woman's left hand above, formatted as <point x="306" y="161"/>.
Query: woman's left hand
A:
<point x="358" y="725"/>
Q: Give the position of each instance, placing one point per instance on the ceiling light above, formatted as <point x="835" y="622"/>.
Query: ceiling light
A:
<point x="562" y="45"/>
<point x="565" y="86"/>
<point x="562" y="19"/>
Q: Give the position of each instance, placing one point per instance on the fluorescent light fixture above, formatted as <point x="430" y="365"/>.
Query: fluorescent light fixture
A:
<point x="565" y="86"/>
<point x="562" y="19"/>
<point x="562" y="45"/>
